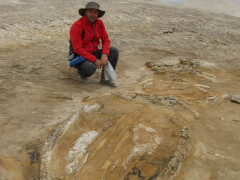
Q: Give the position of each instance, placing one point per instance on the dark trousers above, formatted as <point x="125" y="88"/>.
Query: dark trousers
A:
<point x="88" y="68"/>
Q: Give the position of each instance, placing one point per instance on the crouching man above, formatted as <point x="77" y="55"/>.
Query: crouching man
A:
<point x="85" y="36"/>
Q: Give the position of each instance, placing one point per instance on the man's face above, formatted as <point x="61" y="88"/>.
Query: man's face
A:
<point x="91" y="15"/>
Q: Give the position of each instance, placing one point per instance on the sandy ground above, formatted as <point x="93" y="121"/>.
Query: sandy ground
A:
<point x="218" y="6"/>
<point x="38" y="91"/>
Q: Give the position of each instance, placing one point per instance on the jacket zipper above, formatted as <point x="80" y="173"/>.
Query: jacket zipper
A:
<point x="93" y="38"/>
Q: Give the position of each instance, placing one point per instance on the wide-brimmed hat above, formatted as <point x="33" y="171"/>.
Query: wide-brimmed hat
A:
<point x="92" y="5"/>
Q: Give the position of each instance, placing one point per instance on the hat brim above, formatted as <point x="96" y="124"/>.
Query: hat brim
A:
<point x="82" y="12"/>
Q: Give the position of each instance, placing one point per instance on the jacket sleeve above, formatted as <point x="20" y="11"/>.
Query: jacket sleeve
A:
<point x="76" y="39"/>
<point x="105" y="41"/>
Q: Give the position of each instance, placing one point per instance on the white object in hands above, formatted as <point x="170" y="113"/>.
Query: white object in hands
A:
<point x="109" y="72"/>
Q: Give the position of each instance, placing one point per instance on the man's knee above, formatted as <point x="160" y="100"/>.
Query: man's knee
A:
<point x="114" y="51"/>
<point x="90" y="69"/>
<point x="113" y="56"/>
<point x="87" y="68"/>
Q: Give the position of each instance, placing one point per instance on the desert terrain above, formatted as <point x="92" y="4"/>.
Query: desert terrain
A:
<point x="174" y="115"/>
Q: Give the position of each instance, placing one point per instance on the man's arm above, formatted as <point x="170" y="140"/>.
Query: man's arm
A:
<point x="105" y="40"/>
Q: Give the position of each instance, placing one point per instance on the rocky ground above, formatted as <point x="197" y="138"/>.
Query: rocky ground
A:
<point x="175" y="113"/>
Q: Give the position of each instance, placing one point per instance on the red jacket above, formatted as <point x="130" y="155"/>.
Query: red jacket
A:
<point x="93" y="33"/>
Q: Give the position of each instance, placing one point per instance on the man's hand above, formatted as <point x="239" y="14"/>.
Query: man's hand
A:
<point x="104" y="59"/>
<point x="98" y="63"/>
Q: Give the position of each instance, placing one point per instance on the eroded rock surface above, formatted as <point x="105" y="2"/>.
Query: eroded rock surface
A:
<point x="118" y="138"/>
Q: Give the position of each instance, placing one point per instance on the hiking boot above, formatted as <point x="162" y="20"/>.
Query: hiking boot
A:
<point x="83" y="79"/>
<point x="108" y="82"/>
